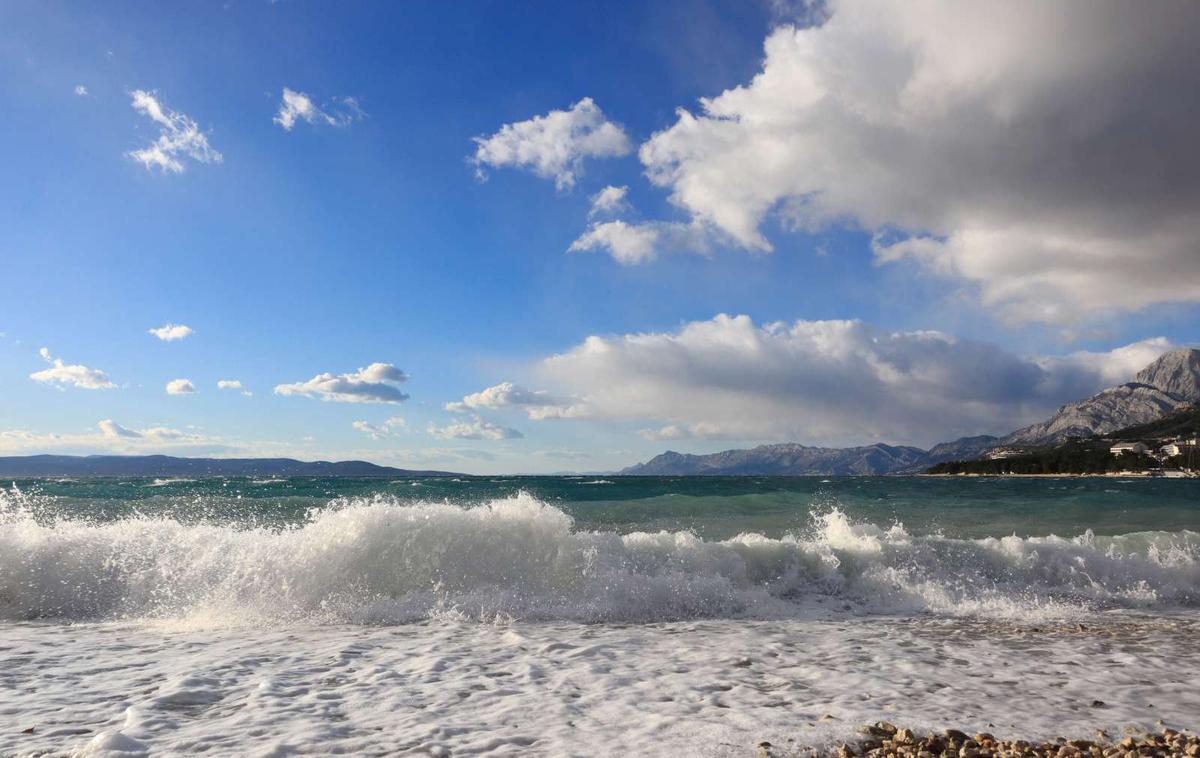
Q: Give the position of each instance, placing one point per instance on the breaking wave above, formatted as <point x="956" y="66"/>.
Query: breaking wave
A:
<point x="377" y="560"/>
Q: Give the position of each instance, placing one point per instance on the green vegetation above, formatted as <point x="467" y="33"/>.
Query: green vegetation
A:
<point x="1074" y="457"/>
<point x="1183" y="422"/>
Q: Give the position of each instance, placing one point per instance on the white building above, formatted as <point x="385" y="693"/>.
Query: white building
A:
<point x="1135" y="448"/>
<point x="1170" y="450"/>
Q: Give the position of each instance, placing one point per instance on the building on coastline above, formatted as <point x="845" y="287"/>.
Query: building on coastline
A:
<point x="1133" y="448"/>
<point x="1000" y="453"/>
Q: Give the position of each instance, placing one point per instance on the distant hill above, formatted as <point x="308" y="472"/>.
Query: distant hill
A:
<point x="1170" y="382"/>
<point x="1184" y="422"/>
<point x="35" y="466"/>
<point x="789" y="459"/>
<point x="782" y="460"/>
<point x="1167" y="385"/>
<point x="1087" y="456"/>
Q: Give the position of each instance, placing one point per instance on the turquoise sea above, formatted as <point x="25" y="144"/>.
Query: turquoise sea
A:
<point x="710" y="507"/>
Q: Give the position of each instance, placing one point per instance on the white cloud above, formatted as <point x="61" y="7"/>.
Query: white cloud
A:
<point x="609" y="200"/>
<point x="434" y="456"/>
<point x="114" y="430"/>
<point x="688" y="432"/>
<point x="377" y="383"/>
<point x="555" y="145"/>
<point x="824" y="382"/>
<point x="179" y="137"/>
<point x="81" y="90"/>
<point x="233" y="384"/>
<point x="475" y="429"/>
<point x="171" y="332"/>
<point x="633" y="243"/>
<point x="180" y="387"/>
<point x="297" y="106"/>
<point x="626" y="243"/>
<point x="380" y="431"/>
<point x="112" y="437"/>
<point x="75" y="375"/>
<point x="1043" y="153"/>
<point x="537" y="404"/>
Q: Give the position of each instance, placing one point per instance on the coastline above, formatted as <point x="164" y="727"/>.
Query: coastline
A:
<point x="886" y="739"/>
<point x="1106" y="475"/>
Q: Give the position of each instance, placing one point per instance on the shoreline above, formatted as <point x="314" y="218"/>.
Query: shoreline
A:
<point x="885" y="739"/>
<point x="1107" y="475"/>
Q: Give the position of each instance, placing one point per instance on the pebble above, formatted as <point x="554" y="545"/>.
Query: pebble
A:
<point x="883" y="739"/>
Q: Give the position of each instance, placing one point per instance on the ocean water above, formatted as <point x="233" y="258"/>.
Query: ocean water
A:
<point x="588" y="615"/>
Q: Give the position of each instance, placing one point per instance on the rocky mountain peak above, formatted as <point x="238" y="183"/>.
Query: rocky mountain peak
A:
<point x="1176" y="373"/>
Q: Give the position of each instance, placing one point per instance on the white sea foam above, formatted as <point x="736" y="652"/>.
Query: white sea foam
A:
<point x="753" y="638"/>
<point x="691" y="688"/>
<point x="381" y="561"/>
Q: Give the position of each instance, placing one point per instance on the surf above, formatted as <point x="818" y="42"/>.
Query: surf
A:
<point x="382" y="560"/>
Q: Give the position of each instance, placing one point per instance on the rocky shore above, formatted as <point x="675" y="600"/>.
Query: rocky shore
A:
<point x="883" y="739"/>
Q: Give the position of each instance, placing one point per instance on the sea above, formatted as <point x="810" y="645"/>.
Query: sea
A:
<point x="588" y="615"/>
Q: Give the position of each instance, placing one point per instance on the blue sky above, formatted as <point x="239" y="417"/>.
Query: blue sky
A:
<point x="374" y="233"/>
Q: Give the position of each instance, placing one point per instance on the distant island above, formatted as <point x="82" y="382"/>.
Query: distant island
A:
<point x="39" y="466"/>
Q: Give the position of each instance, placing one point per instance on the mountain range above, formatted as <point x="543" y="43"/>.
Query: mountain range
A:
<point x="1169" y="383"/>
<point x="34" y="466"/>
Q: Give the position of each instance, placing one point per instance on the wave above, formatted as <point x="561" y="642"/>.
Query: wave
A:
<point x="378" y="560"/>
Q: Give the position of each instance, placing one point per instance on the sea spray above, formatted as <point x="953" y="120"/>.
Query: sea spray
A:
<point x="381" y="560"/>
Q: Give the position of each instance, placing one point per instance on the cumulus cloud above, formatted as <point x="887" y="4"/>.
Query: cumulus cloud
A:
<point x="555" y="145"/>
<point x="377" y="383"/>
<point x="180" y="387"/>
<point x="171" y="332"/>
<point x="298" y="106"/>
<point x="824" y="382"/>
<point x="74" y="375"/>
<point x="477" y="428"/>
<point x="81" y="90"/>
<point x="609" y="200"/>
<point x="631" y="243"/>
<point x="1043" y="153"/>
<point x="178" y="137"/>
<point x="626" y="243"/>
<point x="537" y="404"/>
<point x="380" y="431"/>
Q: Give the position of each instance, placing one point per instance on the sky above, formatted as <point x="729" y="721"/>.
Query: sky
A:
<point x="502" y="237"/>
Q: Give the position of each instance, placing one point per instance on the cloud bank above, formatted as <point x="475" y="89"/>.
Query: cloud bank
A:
<point x="816" y="382"/>
<point x="1043" y="153"/>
